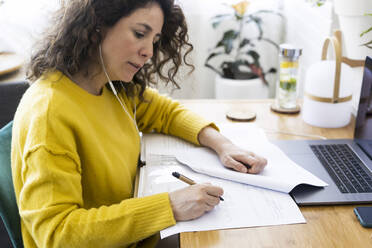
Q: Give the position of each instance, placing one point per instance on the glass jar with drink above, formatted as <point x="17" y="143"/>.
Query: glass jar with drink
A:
<point x="287" y="86"/>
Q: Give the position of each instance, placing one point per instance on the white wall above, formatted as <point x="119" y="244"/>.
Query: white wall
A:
<point x="22" y="21"/>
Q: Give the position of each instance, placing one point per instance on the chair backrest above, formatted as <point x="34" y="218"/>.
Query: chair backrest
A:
<point x="10" y="95"/>
<point x="8" y="205"/>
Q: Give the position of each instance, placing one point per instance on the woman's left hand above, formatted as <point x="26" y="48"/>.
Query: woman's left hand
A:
<point x="241" y="160"/>
<point x="231" y="155"/>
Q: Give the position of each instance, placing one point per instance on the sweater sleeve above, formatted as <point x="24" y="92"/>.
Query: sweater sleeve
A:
<point x="51" y="207"/>
<point x="167" y="116"/>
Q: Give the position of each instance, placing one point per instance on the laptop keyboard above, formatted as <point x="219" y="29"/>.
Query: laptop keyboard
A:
<point x="344" y="167"/>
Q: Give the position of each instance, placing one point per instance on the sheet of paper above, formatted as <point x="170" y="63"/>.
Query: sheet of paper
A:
<point x="239" y="133"/>
<point x="161" y="144"/>
<point x="243" y="205"/>
<point x="280" y="174"/>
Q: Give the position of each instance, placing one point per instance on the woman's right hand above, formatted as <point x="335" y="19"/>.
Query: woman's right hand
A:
<point x="193" y="201"/>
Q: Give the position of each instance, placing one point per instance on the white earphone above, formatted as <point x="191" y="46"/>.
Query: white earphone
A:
<point x="116" y="94"/>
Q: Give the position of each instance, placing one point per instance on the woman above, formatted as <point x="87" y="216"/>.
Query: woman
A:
<point x="76" y="142"/>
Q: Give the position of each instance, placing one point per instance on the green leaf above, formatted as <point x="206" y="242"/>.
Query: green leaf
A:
<point x="216" y="20"/>
<point x="238" y="17"/>
<point x="230" y="34"/>
<point x="368" y="30"/>
<point x="244" y="42"/>
<point x="271" y="42"/>
<point x="219" y="44"/>
<point x="221" y="16"/>
<point x="254" y="17"/>
<point x="213" y="69"/>
<point x="367" y="44"/>
<point x="228" y="46"/>
<point x="254" y="55"/>
<point x="213" y="55"/>
<point x="320" y="2"/>
<point x="227" y="40"/>
<point x="258" y="21"/>
<point x="268" y="12"/>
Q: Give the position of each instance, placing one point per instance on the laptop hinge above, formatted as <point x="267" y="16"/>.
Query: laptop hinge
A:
<point x="366" y="146"/>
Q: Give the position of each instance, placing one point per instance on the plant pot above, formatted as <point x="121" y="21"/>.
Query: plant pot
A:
<point x="240" y="89"/>
<point x="353" y="21"/>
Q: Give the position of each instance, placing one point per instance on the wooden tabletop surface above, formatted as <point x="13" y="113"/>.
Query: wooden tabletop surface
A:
<point x="327" y="226"/>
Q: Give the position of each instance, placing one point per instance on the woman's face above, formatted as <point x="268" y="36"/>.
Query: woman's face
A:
<point x="129" y="43"/>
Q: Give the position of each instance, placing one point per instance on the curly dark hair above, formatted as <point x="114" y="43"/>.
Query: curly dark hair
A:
<point x="73" y="40"/>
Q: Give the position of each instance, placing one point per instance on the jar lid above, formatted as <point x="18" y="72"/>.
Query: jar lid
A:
<point x="289" y="50"/>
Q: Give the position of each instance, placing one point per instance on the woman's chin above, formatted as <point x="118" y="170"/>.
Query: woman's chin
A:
<point x="126" y="81"/>
<point x="127" y="78"/>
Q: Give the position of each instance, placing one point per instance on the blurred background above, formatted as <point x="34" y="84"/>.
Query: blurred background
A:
<point x="304" y="23"/>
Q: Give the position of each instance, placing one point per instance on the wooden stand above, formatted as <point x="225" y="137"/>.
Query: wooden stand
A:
<point x="274" y="107"/>
<point x="240" y="115"/>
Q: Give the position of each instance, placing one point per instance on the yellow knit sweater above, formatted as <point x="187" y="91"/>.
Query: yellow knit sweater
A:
<point x="74" y="161"/>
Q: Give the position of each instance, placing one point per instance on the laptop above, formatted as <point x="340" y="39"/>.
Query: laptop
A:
<point x="345" y="164"/>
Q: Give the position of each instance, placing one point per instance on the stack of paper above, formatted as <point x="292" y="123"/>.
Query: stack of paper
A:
<point x="245" y="204"/>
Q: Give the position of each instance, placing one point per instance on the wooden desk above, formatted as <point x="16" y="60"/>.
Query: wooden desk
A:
<point x="327" y="226"/>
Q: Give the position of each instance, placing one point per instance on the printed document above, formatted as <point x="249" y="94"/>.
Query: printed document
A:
<point x="238" y="133"/>
<point x="280" y="174"/>
<point x="243" y="205"/>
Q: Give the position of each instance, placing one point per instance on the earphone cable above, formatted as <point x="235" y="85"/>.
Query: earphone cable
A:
<point x="116" y="94"/>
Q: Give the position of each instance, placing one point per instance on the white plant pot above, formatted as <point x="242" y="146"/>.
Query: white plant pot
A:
<point x="240" y="89"/>
<point x="353" y="21"/>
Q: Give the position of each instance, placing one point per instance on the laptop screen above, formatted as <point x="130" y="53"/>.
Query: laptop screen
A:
<point x="363" y="124"/>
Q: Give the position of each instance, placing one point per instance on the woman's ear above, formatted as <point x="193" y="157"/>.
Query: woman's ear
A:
<point x="97" y="35"/>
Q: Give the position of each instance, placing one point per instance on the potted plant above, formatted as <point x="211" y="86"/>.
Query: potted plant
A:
<point x="238" y="49"/>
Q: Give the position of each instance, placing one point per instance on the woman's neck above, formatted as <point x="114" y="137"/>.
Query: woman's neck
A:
<point x="92" y="83"/>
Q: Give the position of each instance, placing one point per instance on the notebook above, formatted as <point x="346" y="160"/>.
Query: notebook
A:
<point x="345" y="164"/>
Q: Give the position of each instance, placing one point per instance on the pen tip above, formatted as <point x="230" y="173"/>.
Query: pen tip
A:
<point x="176" y="174"/>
